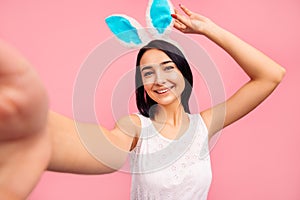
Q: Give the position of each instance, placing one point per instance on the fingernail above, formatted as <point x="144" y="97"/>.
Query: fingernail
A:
<point x="174" y="16"/>
<point x="180" y="4"/>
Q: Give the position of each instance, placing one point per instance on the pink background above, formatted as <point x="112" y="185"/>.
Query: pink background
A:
<point x="256" y="158"/>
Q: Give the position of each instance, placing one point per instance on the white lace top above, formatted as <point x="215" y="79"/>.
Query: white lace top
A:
<point x="171" y="169"/>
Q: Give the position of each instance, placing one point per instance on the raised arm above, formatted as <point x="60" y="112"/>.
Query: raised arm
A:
<point x="264" y="73"/>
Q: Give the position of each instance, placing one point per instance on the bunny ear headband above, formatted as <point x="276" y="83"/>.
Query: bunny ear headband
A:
<point x="131" y="34"/>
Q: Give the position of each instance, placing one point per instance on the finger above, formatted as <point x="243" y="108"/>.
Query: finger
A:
<point x="181" y="27"/>
<point x="176" y="11"/>
<point x="185" y="10"/>
<point x="177" y="23"/>
<point x="175" y="18"/>
<point x="180" y="18"/>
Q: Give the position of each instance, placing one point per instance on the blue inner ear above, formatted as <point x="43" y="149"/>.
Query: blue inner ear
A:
<point x="123" y="29"/>
<point x="160" y="14"/>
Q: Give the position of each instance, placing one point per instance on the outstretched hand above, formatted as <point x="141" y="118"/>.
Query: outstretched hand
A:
<point x="190" y="22"/>
<point x="25" y="145"/>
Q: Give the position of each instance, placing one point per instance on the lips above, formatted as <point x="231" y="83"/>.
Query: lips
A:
<point x="163" y="90"/>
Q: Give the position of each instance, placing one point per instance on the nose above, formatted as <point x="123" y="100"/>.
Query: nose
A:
<point x="160" y="78"/>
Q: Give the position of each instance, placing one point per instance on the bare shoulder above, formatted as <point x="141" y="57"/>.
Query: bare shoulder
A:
<point x="206" y="117"/>
<point x="130" y="124"/>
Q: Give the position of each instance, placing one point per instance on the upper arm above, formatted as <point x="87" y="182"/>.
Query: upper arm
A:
<point x="89" y="148"/>
<point x="247" y="98"/>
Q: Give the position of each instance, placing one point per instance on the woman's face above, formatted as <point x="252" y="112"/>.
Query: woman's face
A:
<point x="162" y="80"/>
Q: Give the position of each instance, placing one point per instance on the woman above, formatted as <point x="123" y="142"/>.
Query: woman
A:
<point x="39" y="141"/>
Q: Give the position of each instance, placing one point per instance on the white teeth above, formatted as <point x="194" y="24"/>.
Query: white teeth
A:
<point x="162" y="91"/>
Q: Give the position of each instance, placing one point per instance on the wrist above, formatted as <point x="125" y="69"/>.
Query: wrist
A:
<point x="210" y="29"/>
<point x="214" y="32"/>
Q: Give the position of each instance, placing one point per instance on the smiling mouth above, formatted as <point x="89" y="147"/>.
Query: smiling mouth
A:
<point x="165" y="90"/>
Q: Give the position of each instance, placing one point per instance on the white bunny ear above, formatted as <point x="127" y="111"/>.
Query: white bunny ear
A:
<point x="158" y="16"/>
<point x="127" y="30"/>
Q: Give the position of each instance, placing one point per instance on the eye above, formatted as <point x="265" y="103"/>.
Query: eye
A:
<point x="149" y="73"/>
<point x="168" y="68"/>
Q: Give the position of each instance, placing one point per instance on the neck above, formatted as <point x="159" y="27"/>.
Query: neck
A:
<point x="170" y="114"/>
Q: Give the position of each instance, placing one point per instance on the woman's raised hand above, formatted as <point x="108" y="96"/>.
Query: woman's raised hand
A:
<point x="190" y="22"/>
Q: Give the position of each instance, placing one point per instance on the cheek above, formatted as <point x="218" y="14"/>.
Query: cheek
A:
<point x="174" y="76"/>
<point x="147" y="86"/>
<point x="181" y="84"/>
<point x="148" y="81"/>
<point x="178" y="79"/>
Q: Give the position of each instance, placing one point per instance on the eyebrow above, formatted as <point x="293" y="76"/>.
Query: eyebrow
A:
<point x="162" y="63"/>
